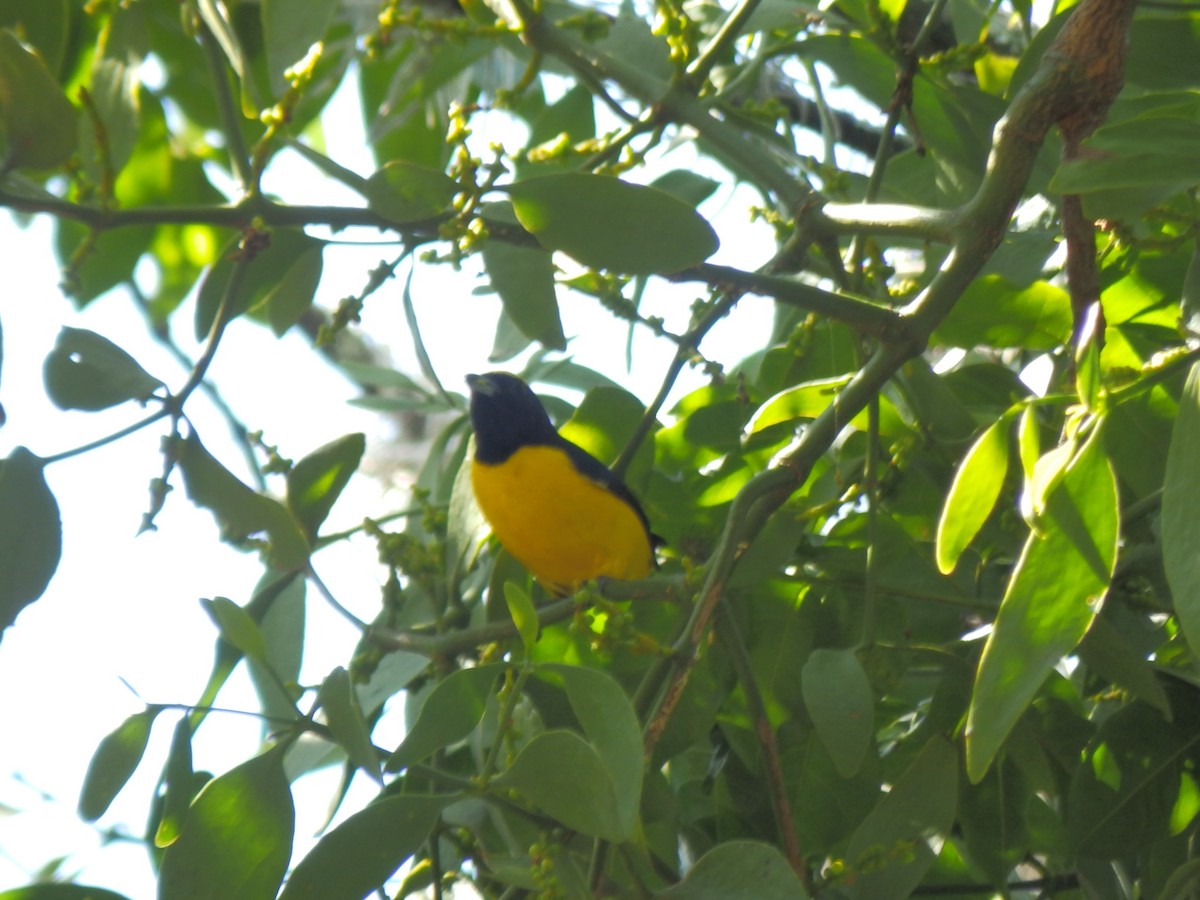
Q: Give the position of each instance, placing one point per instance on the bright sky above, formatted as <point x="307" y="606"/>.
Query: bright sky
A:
<point x="123" y="611"/>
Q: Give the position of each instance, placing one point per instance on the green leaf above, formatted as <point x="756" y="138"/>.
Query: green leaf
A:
<point x="236" y="837"/>
<point x="178" y="784"/>
<point x="87" y="371"/>
<point x="404" y="192"/>
<point x="114" y="762"/>
<point x="30" y="533"/>
<point x="611" y="726"/>
<point x="358" y="856"/>
<point x="604" y="222"/>
<point x="1087" y="358"/>
<point x="450" y="713"/>
<point x="290" y="28"/>
<point x="240" y="511"/>
<point x="277" y="279"/>
<point x="810" y="399"/>
<point x="563" y="775"/>
<point x="1146" y="151"/>
<point x="292" y="295"/>
<point x="732" y="869"/>
<point x="1124" y="789"/>
<point x="1053" y="596"/>
<point x="465" y="525"/>
<point x="1108" y="651"/>
<point x="686" y="185"/>
<point x="840" y="702"/>
<point x="282" y="627"/>
<point x="37" y="121"/>
<point x="1181" y="885"/>
<point x="315" y="482"/>
<point x="346" y="722"/>
<point x="509" y="340"/>
<point x="42" y="24"/>
<point x="524" y="279"/>
<point x="523" y="613"/>
<point x="236" y="626"/>
<point x="890" y="850"/>
<point x="60" y="892"/>
<point x="115" y="98"/>
<point x="973" y="494"/>
<point x="997" y="313"/>
<point x="1180" y="523"/>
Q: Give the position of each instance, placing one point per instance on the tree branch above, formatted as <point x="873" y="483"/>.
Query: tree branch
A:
<point x="1062" y="86"/>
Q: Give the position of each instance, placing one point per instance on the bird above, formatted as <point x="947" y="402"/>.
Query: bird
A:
<point x="553" y="506"/>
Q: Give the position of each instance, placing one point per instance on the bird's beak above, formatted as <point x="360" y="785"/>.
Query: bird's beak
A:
<point x="481" y="384"/>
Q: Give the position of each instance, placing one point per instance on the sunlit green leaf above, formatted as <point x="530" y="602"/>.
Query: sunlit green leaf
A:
<point x="1059" y="582"/>
<point x="809" y="400"/>
<point x="1180" y="522"/>
<point x="994" y="312"/>
<point x="60" y="892"/>
<point x="236" y="837"/>
<point x="178" y="780"/>
<point x="236" y="626"/>
<point x="315" y="482"/>
<point x="973" y="494"/>
<point x="521" y="608"/>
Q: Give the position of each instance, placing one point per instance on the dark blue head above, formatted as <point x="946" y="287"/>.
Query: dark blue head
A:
<point x="506" y="416"/>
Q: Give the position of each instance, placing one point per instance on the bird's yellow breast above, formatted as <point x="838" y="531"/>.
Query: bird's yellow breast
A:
<point x="562" y="526"/>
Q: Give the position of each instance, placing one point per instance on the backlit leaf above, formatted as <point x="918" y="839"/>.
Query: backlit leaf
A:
<point x="523" y="613"/>
<point x="114" y="762"/>
<point x="403" y="192"/>
<point x="1054" y="593"/>
<point x="236" y="837"/>
<point x="1180" y="522"/>
<point x="316" y="481"/>
<point x="346" y="721"/>
<point x="358" y="856"/>
<point x="524" y="279"/>
<point x="604" y="222"/>
<point x="450" y="713"/>
<point x="30" y="533"/>
<point x="90" y="372"/>
<point x="37" y="121"/>
<point x="973" y="494"/>
<point x="240" y="511"/>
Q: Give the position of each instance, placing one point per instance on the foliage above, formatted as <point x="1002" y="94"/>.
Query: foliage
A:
<point x="927" y="606"/>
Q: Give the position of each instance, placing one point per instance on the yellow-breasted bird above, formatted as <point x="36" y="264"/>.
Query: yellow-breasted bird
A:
<point x="556" y="508"/>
